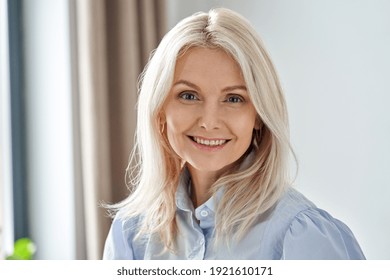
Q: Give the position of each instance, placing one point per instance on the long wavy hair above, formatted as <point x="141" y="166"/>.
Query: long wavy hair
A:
<point x="249" y="192"/>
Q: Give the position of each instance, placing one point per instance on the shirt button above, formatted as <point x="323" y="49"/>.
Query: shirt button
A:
<point x="204" y="213"/>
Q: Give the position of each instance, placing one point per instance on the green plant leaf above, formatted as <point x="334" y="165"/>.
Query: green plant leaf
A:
<point x="24" y="249"/>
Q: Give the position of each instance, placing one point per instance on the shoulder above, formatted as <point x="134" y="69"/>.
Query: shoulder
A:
<point x="119" y="241"/>
<point x="288" y="207"/>
<point x="292" y="202"/>
<point x="308" y="232"/>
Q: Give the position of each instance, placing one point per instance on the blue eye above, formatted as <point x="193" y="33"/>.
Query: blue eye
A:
<point x="234" y="99"/>
<point x="188" y="96"/>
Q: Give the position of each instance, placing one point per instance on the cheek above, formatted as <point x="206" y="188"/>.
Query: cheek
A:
<point x="246" y="136"/>
<point x="244" y="125"/>
<point x="173" y="135"/>
<point x="177" y="123"/>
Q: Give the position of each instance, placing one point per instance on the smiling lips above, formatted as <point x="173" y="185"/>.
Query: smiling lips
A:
<point x="209" y="142"/>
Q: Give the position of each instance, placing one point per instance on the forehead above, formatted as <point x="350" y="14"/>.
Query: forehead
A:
<point x="208" y="63"/>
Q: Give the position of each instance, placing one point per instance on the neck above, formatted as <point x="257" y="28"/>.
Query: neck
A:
<point x="201" y="183"/>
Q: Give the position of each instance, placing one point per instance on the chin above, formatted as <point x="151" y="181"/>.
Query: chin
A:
<point x="210" y="167"/>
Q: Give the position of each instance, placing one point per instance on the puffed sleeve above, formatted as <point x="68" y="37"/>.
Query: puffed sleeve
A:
<point x="117" y="246"/>
<point x="315" y="235"/>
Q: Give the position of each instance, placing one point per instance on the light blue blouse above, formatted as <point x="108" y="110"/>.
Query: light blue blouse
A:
<point x="295" y="229"/>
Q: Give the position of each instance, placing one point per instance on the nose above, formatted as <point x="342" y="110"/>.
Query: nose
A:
<point x="210" y="116"/>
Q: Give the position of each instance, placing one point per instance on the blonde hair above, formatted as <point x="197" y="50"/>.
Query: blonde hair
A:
<point x="248" y="192"/>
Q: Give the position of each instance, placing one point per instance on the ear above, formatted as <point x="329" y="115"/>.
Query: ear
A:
<point x="161" y="118"/>
<point x="161" y="121"/>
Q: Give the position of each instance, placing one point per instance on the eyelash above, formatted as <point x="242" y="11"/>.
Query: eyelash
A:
<point x="236" y="97"/>
<point x="184" y="95"/>
<point x="190" y="96"/>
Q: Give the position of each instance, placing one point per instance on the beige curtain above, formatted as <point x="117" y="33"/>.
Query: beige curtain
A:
<point x="113" y="42"/>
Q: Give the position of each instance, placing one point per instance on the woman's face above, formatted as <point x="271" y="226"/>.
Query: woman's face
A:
<point x="209" y="116"/>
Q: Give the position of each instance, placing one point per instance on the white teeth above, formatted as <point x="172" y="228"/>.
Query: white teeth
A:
<point x="209" y="142"/>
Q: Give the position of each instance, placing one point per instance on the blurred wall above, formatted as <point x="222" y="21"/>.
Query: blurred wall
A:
<point x="333" y="61"/>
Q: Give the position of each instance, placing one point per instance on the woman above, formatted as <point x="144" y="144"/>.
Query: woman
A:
<point x="212" y="152"/>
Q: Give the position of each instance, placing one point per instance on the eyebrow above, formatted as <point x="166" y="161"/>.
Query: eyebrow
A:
<point x="226" y="89"/>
